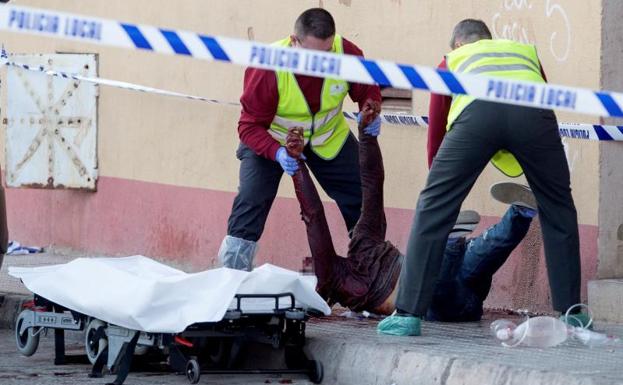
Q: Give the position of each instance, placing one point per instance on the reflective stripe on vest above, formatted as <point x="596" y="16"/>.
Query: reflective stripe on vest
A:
<point x="474" y="58"/>
<point x="500" y="68"/>
<point x="326" y="130"/>
<point x="498" y="58"/>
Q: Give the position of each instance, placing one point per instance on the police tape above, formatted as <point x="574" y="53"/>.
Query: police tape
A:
<point x="566" y="130"/>
<point x="6" y="61"/>
<point x="591" y="131"/>
<point x="114" y="33"/>
<point x="569" y="130"/>
<point x="396" y="119"/>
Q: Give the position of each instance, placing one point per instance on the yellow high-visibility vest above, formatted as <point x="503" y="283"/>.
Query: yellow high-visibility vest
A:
<point x="498" y="58"/>
<point x="326" y="130"/>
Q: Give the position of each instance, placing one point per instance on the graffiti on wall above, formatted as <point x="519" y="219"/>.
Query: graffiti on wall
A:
<point x="514" y="22"/>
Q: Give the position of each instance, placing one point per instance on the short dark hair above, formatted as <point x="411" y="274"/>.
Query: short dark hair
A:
<point x="469" y="31"/>
<point x="316" y="22"/>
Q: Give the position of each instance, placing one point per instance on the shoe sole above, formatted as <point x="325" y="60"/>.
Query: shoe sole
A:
<point x="513" y="193"/>
<point x="466" y="222"/>
<point x="468" y="217"/>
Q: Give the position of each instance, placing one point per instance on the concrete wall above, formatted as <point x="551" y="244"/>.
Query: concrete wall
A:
<point x="611" y="180"/>
<point x="605" y="294"/>
<point x="167" y="166"/>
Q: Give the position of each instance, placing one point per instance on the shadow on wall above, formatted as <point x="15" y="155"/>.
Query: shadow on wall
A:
<point x="526" y="275"/>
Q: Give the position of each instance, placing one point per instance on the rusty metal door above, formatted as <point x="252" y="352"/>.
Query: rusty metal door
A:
<point x="51" y="137"/>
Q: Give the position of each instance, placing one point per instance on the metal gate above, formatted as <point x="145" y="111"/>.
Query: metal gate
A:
<point x="51" y="137"/>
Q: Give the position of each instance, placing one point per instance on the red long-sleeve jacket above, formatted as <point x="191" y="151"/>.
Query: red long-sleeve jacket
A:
<point x="260" y="98"/>
<point x="438" y="110"/>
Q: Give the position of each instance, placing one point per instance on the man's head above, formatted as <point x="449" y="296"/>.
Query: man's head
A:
<point x="314" y="29"/>
<point x="469" y="31"/>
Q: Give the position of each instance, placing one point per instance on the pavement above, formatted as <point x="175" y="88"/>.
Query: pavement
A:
<point x="350" y="349"/>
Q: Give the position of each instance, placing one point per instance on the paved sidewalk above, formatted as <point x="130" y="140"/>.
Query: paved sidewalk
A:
<point x="446" y="354"/>
<point x="450" y="353"/>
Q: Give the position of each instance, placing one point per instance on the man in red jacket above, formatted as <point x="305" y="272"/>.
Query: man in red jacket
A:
<point x="272" y="102"/>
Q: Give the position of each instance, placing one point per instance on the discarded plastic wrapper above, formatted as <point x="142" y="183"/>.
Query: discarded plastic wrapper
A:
<point x="355" y="315"/>
<point x="545" y="332"/>
<point x="594" y="339"/>
<point x="15" y="248"/>
<point x="540" y="332"/>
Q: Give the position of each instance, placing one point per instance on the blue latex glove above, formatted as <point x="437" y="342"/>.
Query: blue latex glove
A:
<point x="288" y="163"/>
<point x="372" y="129"/>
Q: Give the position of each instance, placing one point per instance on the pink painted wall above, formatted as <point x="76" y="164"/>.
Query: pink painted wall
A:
<point x="186" y="225"/>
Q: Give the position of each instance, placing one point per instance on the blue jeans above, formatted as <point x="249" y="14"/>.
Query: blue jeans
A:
<point x="468" y="266"/>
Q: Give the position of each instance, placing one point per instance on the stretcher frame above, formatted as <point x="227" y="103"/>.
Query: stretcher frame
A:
<point x="210" y="348"/>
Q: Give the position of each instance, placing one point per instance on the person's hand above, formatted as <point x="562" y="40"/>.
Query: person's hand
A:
<point x="288" y="163"/>
<point x="295" y="144"/>
<point x="372" y="129"/>
<point x="369" y="118"/>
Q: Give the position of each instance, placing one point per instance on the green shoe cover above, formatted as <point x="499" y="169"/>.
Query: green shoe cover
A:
<point x="581" y="320"/>
<point x="396" y="325"/>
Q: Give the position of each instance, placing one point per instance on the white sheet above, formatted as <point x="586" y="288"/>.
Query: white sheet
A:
<point x="141" y="294"/>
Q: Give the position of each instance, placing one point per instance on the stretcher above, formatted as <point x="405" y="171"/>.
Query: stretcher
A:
<point x="210" y="347"/>
<point x="193" y="322"/>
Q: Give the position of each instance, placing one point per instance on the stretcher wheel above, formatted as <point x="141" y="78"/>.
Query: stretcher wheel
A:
<point x="193" y="371"/>
<point x="295" y="315"/>
<point x="92" y="345"/>
<point x="316" y="371"/>
<point x="28" y="341"/>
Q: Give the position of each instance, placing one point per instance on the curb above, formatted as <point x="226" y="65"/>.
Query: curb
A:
<point x="346" y="363"/>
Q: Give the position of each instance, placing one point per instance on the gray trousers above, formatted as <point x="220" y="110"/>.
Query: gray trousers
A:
<point x="480" y="131"/>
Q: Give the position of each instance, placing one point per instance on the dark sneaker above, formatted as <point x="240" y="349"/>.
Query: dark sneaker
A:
<point x="513" y="194"/>
<point x="466" y="222"/>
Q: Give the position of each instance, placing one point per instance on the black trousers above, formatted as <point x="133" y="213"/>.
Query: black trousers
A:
<point x="480" y="131"/>
<point x="259" y="181"/>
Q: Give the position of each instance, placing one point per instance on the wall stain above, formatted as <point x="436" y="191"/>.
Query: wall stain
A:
<point x="171" y="241"/>
<point x="346" y="2"/>
<point x="251" y="33"/>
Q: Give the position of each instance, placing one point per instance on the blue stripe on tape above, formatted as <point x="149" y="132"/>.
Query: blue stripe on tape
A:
<point x="175" y="42"/>
<point x="611" y="105"/>
<point x="425" y="119"/>
<point x="601" y="133"/>
<point x="137" y="36"/>
<point x="452" y="82"/>
<point x="375" y="71"/>
<point x="215" y="48"/>
<point x="413" y="77"/>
